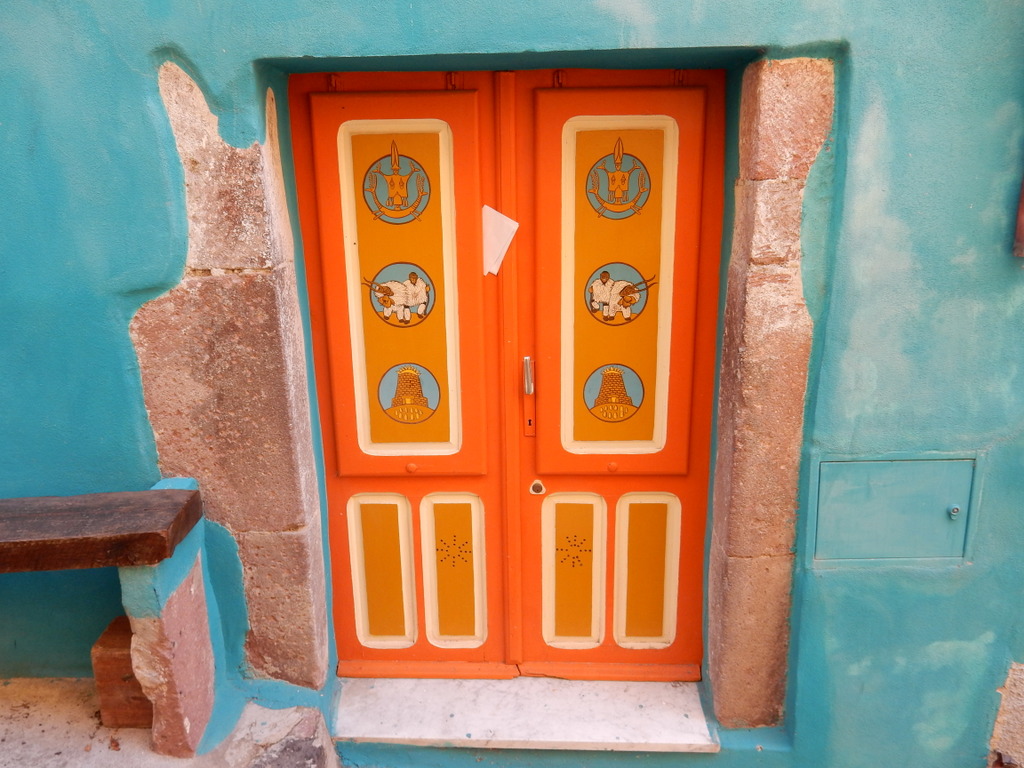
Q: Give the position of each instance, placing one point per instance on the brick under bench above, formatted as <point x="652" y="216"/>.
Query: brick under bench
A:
<point x="155" y="538"/>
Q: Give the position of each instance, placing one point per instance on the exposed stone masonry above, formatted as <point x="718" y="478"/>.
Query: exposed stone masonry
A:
<point x="785" y="117"/>
<point x="224" y="379"/>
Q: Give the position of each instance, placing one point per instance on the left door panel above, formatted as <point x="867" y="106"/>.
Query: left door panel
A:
<point x="399" y="187"/>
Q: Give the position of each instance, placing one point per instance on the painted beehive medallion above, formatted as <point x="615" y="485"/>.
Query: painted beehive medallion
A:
<point x="408" y="393"/>
<point x="613" y="393"/>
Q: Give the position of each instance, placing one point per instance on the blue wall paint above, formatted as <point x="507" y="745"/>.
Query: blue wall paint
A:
<point x="916" y="301"/>
<point x="146" y="588"/>
<point x="50" y="620"/>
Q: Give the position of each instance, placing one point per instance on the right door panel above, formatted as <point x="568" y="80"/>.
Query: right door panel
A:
<point x="625" y="306"/>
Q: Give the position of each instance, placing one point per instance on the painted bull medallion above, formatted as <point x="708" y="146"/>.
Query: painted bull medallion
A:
<point x="618" y="184"/>
<point x="613" y="392"/>
<point x="400" y="196"/>
<point x="401" y="294"/>
<point x="408" y="393"/>
<point x="617" y="293"/>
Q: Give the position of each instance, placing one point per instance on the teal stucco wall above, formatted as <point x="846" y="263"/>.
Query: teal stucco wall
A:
<point x="917" y="302"/>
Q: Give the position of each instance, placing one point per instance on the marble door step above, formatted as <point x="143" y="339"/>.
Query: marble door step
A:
<point x="523" y="713"/>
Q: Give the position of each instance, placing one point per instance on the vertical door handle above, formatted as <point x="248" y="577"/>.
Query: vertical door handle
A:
<point x="527" y="376"/>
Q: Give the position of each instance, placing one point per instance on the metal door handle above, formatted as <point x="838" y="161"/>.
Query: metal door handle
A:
<point x="527" y="376"/>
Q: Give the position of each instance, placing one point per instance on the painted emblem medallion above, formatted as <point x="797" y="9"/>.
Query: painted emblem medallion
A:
<point x="618" y="184"/>
<point x="613" y="392"/>
<point x="617" y="293"/>
<point x="401" y="294"/>
<point x="408" y="393"/>
<point x="396" y="188"/>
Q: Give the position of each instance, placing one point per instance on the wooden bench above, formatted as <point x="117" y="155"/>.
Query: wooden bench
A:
<point x="54" y="533"/>
<point x="129" y="530"/>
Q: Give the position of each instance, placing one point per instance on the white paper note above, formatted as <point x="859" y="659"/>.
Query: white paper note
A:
<point x="498" y="232"/>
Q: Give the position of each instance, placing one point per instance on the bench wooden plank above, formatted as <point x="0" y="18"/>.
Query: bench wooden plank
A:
<point x="51" y="533"/>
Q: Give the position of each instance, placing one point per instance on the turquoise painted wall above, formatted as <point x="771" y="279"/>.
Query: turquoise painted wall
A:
<point x="918" y="305"/>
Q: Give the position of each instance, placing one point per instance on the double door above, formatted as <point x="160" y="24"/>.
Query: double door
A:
<point x="513" y="290"/>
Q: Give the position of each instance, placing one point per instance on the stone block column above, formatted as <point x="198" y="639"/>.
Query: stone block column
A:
<point x="172" y="657"/>
<point x="224" y="379"/>
<point x="785" y="117"/>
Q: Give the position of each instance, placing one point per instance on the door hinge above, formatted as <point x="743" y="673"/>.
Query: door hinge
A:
<point x="685" y="77"/>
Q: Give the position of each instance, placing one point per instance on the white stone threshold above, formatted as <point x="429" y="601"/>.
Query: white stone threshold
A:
<point x="523" y="713"/>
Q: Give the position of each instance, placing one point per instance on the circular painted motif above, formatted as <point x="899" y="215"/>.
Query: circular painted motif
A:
<point x="618" y="184"/>
<point x="396" y="188"/>
<point x="616" y="293"/>
<point x="401" y="294"/>
<point x="408" y="393"/>
<point x="613" y="392"/>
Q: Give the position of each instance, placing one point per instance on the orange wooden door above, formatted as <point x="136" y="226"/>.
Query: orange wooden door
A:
<point x="518" y="464"/>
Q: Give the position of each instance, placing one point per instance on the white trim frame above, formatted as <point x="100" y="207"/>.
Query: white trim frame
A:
<point x="569" y="298"/>
<point x="358" y="565"/>
<point x="430" y="596"/>
<point x="673" y="531"/>
<point x="445" y="197"/>
<point x="599" y="548"/>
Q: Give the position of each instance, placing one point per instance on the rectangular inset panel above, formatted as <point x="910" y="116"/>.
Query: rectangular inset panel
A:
<point x="618" y="261"/>
<point x="380" y="551"/>
<point x="453" y="570"/>
<point x="573" y="543"/>
<point x="881" y="510"/>
<point x="398" y="213"/>
<point x="647" y="533"/>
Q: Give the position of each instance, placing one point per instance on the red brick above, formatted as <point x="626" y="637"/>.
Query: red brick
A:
<point x="122" y="702"/>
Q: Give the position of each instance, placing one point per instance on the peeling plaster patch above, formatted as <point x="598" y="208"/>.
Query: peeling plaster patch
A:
<point x="859" y="668"/>
<point x="937" y="684"/>
<point x="961" y="322"/>
<point x="944" y="653"/>
<point x="883" y="284"/>
<point x="901" y="296"/>
<point x="966" y="258"/>
<point x="943" y="714"/>
<point x="227" y="214"/>
<point x="637" y="19"/>
<point x="937" y="729"/>
<point x="1007" y="120"/>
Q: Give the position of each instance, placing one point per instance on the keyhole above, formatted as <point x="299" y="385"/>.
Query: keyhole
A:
<point x="537" y="488"/>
